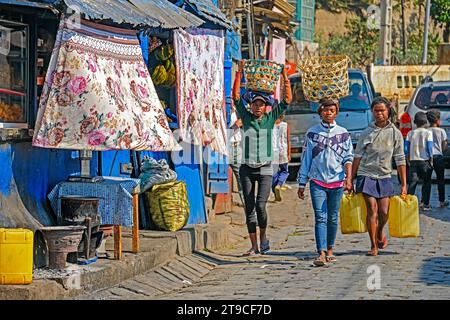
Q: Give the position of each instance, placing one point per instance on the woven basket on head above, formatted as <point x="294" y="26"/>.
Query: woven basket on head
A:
<point x="325" y="76"/>
<point x="262" y="75"/>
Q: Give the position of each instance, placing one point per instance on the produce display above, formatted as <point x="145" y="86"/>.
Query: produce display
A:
<point x="10" y="112"/>
<point x="164" y="74"/>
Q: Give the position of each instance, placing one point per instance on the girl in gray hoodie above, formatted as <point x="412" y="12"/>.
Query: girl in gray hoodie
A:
<point x="372" y="166"/>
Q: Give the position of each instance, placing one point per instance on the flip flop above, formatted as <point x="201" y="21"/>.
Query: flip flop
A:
<point x="331" y="258"/>
<point x="371" y="254"/>
<point x="265" y="247"/>
<point x="318" y="262"/>
<point x="251" y="252"/>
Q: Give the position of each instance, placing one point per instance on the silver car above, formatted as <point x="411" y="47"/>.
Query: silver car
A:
<point x="429" y="95"/>
<point x="354" y="115"/>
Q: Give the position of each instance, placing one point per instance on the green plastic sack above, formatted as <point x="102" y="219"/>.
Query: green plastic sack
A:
<point x="169" y="205"/>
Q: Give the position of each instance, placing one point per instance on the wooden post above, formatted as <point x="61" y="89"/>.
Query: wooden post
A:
<point x="117" y="242"/>
<point x="135" y="246"/>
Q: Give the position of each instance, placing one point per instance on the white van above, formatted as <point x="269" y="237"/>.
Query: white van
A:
<point x="355" y="114"/>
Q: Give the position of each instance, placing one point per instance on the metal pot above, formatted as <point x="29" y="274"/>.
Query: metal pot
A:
<point x="77" y="208"/>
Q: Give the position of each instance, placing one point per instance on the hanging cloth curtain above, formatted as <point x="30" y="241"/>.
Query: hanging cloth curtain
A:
<point x="98" y="94"/>
<point x="199" y="56"/>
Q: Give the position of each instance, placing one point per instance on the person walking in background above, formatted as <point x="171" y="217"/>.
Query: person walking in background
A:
<point x="257" y="165"/>
<point x="377" y="146"/>
<point x="235" y="149"/>
<point x="327" y="164"/>
<point x="419" y="154"/>
<point x="440" y="145"/>
<point x="282" y="156"/>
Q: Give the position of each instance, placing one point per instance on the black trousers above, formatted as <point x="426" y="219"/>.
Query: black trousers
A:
<point x="421" y="170"/>
<point x="249" y="177"/>
<point x="439" y="168"/>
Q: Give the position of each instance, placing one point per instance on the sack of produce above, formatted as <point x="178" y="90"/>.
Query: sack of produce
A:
<point x="169" y="205"/>
<point x="155" y="172"/>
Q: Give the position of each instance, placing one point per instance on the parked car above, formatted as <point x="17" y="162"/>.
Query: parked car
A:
<point x="429" y="95"/>
<point x="354" y="115"/>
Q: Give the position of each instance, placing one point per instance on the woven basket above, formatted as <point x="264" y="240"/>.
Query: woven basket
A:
<point x="262" y="75"/>
<point x="325" y="76"/>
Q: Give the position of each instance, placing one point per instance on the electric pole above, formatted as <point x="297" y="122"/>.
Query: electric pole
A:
<point x="386" y="32"/>
<point x="425" y="33"/>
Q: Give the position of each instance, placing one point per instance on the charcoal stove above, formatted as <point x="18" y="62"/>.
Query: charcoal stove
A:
<point x="83" y="211"/>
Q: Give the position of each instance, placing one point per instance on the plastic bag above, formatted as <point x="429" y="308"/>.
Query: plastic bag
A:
<point x="155" y="172"/>
<point x="353" y="213"/>
<point x="169" y="205"/>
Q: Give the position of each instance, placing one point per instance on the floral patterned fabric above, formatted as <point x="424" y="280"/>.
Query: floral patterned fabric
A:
<point x="98" y="94"/>
<point x="201" y="100"/>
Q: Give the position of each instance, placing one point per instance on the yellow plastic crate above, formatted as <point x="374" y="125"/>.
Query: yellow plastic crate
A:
<point x="16" y="256"/>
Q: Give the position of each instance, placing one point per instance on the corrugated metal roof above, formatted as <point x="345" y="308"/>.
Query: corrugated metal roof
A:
<point x="120" y="11"/>
<point x="207" y="9"/>
<point x="169" y="14"/>
<point x="33" y="4"/>
<point x="152" y="13"/>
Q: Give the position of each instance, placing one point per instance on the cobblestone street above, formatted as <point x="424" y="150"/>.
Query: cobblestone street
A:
<point x="411" y="268"/>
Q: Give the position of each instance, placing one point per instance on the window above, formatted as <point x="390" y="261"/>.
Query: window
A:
<point x="406" y="81"/>
<point x="433" y="97"/>
<point x="13" y="74"/>
<point x="399" y="82"/>
<point x="414" y="81"/>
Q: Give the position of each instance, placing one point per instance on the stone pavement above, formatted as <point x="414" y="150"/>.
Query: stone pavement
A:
<point x="411" y="268"/>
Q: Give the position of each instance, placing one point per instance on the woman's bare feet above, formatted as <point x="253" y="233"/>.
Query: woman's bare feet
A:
<point x="383" y="243"/>
<point x="373" y="252"/>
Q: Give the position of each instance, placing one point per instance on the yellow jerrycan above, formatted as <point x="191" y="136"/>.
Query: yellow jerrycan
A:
<point x="353" y="213"/>
<point x="404" y="216"/>
<point x="16" y="256"/>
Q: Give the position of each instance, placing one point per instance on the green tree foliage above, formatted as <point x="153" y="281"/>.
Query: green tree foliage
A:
<point x="359" y="43"/>
<point x="415" y="49"/>
<point x="440" y="12"/>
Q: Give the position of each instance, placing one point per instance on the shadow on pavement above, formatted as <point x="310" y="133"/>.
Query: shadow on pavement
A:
<point x="442" y="214"/>
<point x="364" y="252"/>
<point x="435" y="271"/>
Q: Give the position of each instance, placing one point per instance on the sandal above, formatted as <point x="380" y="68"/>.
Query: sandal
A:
<point x="331" y="258"/>
<point x="319" y="262"/>
<point x="251" y="252"/>
<point x="265" y="247"/>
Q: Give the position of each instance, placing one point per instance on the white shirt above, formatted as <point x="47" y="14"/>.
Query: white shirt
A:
<point x="418" y="140"/>
<point x="439" y="136"/>
<point x="236" y="135"/>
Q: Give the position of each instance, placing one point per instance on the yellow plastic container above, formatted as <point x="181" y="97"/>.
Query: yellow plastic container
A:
<point x="353" y="213"/>
<point x="404" y="217"/>
<point x="16" y="256"/>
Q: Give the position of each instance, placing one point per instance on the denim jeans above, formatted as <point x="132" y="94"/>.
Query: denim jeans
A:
<point x="326" y="203"/>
